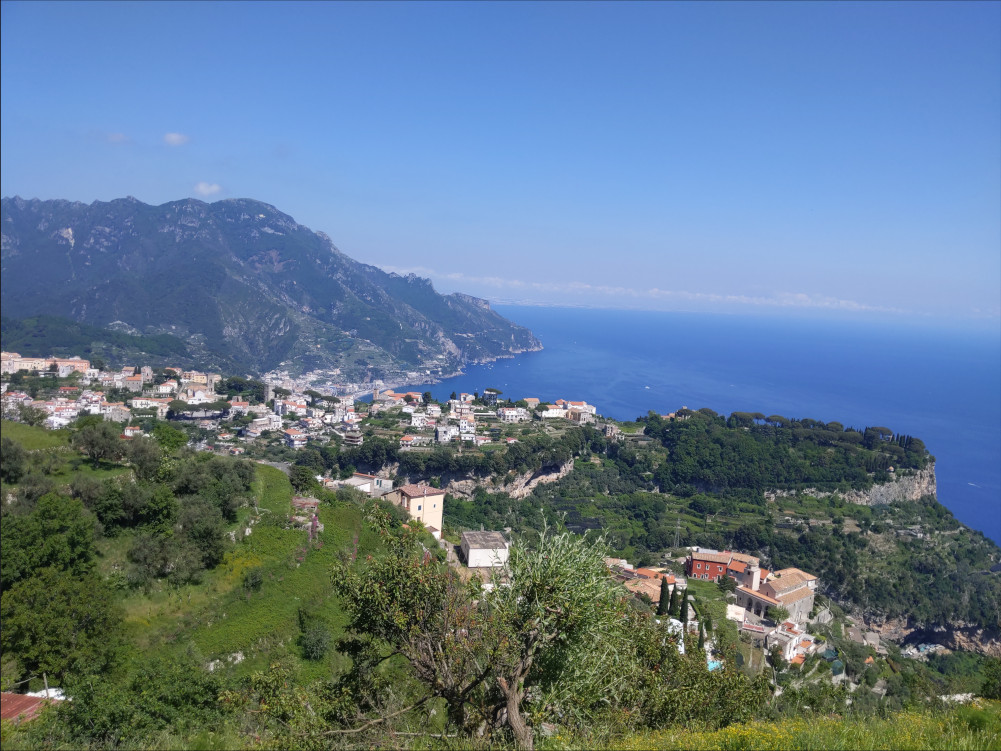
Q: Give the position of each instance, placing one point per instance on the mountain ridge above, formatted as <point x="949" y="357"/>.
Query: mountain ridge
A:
<point x="243" y="284"/>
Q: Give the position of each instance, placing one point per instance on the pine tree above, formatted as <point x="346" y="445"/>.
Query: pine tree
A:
<point x="664" y="603"/>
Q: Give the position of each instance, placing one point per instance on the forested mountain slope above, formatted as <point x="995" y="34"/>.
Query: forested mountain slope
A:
<point x="244" y="285"/>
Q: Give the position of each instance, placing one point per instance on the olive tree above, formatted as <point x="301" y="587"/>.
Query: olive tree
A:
<point x="99" y="442"/>
<point x="560" y="617"/>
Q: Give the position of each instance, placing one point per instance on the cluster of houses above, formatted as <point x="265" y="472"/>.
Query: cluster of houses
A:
<point x="759" y="590"/>
<point x="87" y="397"/>
<point x="297" y="417"/>
<point x="429" y="423"/>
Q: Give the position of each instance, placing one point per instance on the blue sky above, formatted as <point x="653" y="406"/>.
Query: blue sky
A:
<point x="791" y="158"/>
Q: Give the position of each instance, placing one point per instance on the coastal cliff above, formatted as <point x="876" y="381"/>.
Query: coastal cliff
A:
<point x="907" y="486"/>
<point x="517" y="485"/>
<point x="959" y="636"/>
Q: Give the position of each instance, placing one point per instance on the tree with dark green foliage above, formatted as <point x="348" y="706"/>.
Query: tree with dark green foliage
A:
<point x="13" y="460"/>
<point x="99" y="442"/>
<point x="726" y="583"/>
<point x="664" y="603"/>
<point x="777" y="613"/>
<point x="169" y="437"/>
<point x="60" y="625"/>
<point x="58" y="533"/>
<point x="156" y="694"/>
<point x="302" y="478"/>
<point x="144" y="455"/>
<point x="991" y="688"/>
<point x="315" y="642"/>
<point x="776" y="659"/>
<point x="253" y="579"/>
<point x="202" y="523"/>
<point x="30" y="415"/>
<point x="675" y="607"/>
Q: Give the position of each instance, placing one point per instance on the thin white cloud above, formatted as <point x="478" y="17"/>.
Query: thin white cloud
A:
<point x="777" y="300"/>
<point x="207" y="189"/>
<point x="117" y="138"/>
<point x="175" y="139"/>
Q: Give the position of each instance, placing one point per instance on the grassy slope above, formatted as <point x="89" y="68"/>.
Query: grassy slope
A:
<point x="33" y="439"/>
<point x="218" y="619"/>
<point x="964" y="728"/>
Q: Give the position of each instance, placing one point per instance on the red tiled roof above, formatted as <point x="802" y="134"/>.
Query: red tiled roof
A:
<point x="738" y="566"/>
<point x="18" y="707"/>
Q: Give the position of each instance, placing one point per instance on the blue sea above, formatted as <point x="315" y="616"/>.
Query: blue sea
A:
<point x="943" y="386"/>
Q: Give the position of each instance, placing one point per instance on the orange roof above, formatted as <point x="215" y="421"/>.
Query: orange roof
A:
<point x="757" y="595"/>
<point x="648" y="573"/>
<point x="420" y="490"/>
<point x="738" y="566"/>
<point x="643" y="586"/>
<point x="805" y="644"/>
<point x="797" y="660"/>
<point x="869" y="660"/>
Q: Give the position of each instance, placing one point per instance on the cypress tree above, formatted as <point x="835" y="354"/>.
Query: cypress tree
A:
<point x="673" y="609"/>
<point x="702" y="638"/>
<point x="664" y="603"/>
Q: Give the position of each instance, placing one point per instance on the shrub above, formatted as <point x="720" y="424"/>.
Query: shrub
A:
<point x="315" y="642"/>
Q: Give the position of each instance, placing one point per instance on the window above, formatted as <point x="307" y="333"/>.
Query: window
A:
<point x="698" y="565"/>
<point x="418" y="508"/>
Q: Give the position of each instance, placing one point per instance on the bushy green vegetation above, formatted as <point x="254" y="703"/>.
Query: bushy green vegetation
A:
<point x="363" y="635"/>
<point x="42" y="336"/>
<point x="753" y="452"/>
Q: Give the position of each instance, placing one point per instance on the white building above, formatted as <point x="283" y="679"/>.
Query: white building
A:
<point x="484" y="549"/>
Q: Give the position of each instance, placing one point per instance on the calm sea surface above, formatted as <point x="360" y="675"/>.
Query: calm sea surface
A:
<point x="941" y="386"/>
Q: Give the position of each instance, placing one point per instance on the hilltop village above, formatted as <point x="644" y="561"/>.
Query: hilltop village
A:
<point x="772" y="610"/>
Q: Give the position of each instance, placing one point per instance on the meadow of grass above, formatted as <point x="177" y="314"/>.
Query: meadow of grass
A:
<point x="34" y="438"/>
<point x="974" y="727"/>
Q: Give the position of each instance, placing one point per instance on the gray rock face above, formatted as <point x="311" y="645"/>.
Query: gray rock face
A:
<point x="904" y="487"/>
